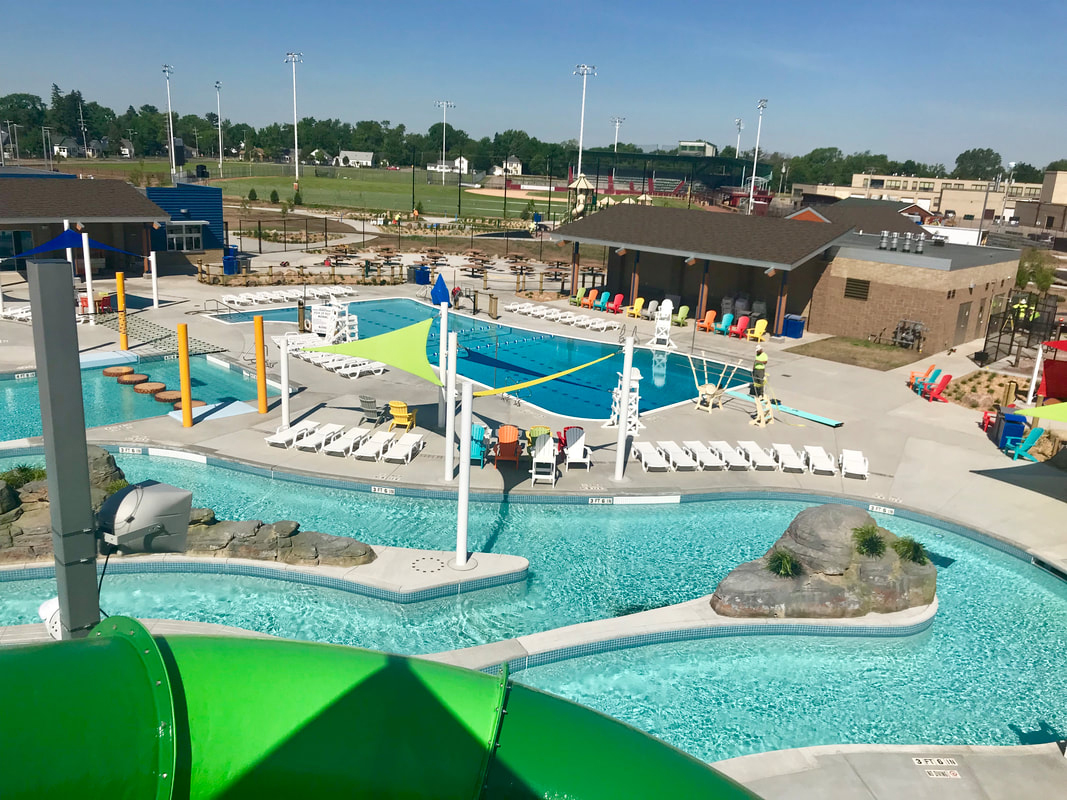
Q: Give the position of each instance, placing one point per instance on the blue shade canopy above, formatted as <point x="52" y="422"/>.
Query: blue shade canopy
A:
<point x="439" y="292"/>
<point x="71" y="239"/>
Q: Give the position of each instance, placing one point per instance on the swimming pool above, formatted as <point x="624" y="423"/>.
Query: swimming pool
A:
<point x="107" y="402"/>
<point x="500" y="355"/>
<point x="984" y="673"/>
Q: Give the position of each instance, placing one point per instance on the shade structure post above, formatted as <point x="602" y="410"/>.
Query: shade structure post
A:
<point x="442" y="364"/>
<point x="70" y="250"/>
<point x="184" y="377"/>
<point x="261" y="366"/>
<point x="450" y="417"/>
<point x="283" y="366"/>
<point x="88" y="277"/>
<point x="1037" y="374"/>
<point x="463" y="504"/>
<point x="120" y="299"/>
<point x="155" y="278"/>
<point x="624" y="408"/>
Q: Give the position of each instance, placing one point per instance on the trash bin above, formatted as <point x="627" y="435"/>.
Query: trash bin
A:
<point x="229" y="265"/>
<point x="422" y="276"/>
<point x="493" y="313"/>
<point x="411" y="274"/>
<point x="793" y="326"/>
<point x="1013" y="425"/>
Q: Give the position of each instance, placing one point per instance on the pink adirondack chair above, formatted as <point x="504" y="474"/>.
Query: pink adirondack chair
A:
<point x="933" y="391"/>
<point x="615" y="306"/>
<point x="739" y="329"/>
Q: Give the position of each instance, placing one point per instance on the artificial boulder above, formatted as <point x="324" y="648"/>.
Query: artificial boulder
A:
<point x="835" y="580"/>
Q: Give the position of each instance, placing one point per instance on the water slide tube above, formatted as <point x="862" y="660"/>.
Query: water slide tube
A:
<point x="124" y="715"/>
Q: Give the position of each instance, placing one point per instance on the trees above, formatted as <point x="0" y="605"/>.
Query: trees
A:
<point x="1059" y="165"/>
<point x="1026" y="173"/>
<point x="980" y="163"/>
<point x="1037" y="267"/>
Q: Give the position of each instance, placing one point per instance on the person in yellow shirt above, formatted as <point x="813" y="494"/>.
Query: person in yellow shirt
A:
<point x="759" y="372"/>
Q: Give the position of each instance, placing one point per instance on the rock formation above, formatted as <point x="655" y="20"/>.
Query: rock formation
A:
<point x="26" y="529"/>
<point x="835" y="580"/>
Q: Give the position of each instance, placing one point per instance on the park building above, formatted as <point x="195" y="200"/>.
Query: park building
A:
<point x="697" y="147"/>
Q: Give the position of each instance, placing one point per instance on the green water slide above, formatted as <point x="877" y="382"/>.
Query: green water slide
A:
<point x="125" y="715"/>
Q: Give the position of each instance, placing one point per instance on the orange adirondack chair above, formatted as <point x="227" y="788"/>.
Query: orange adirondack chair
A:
<point x="508" y="446"/>
<point x="739" y="329"/>
<point x="921" y="376"/>
<point x="589" y="299"/>
<point x="708" y="323"/>
<point x="933" y="392"/>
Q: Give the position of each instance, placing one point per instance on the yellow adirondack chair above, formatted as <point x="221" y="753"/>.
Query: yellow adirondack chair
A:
<point x="402" y="416"/>
<point x="759" y="332"/>
<point x="635" y="309"/>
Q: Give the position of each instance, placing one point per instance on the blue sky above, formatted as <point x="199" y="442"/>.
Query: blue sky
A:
<point x="922" y="81"/>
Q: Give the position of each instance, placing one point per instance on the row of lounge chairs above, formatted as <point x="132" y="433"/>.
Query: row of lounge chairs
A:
<point x="287" y="295"/>
<point x="361" y="443"/>
<point x="565" y="317"/>
<point x="668" y="456"/>
<point x="345" y="366"/>
<point x="17" y="313"/>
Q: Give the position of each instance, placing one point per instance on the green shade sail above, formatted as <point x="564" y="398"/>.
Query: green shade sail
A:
<point x="1056" y="411"/>
<point x="403" y="349"/>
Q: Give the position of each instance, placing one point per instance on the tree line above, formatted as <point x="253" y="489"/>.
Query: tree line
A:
<point x="146" y="128"/>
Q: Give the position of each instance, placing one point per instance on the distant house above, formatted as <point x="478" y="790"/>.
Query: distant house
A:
<point x="354" y="158"/>
<point x="318" y="156"/>
<point x="460" y="165"/>
<point x="511" y="165"/>
<point x="97" y="148"/>
<point x="68" y="147"/>
<point x="125" y="148"/>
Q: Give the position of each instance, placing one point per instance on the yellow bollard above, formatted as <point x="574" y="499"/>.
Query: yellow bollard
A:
<point x="120" y="296"/>
<point x="183" y="373"/>
<point x="261" y="366"/>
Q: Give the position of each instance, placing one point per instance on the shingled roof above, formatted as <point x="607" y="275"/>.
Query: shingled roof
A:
<point x="768" y="242"/>
<point x="41" y="200"/>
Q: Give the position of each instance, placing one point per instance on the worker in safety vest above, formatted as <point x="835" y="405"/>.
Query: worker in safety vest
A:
<point x="759" y="372"/>
<point x="1023" y="311"/>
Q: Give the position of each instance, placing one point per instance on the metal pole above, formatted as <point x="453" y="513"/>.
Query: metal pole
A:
<point x="70" y="250"/>
<point x="412" y="179"/>
<point x="459" y="190"/>
<point x="444" y="105"/>
<point x="184" y="379"/>
<point x="463" y="500"/>
<point x="283" y="367"/>
<point x="624" y="408"/>
<point x="120" y="300"/>
<point x="618" y="121"/>
<point x="261" y="366"/>
<point x="740" y="126"/>
<point x="442" y="363"/>
<point x="218" y="99"/>
<point x="584" y="70"/>
<point x="66" y="455"/>
<point x="450" y="419"/>
<point x="167" y="70"/>
<point x="1037" y="373"/>
<point x="762" y="104"/>
<point x="88" y="277"/>
<point x="293" y="58"/>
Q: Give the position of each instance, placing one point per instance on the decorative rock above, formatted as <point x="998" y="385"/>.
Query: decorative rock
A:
<point x="835" y="580"/>
<point x="285" y="528"/>
<point x="103" y="470"/>
<point x="115" y="372"/>
<point x="149" y="387"/>
<point x="34" y="492"/>
<point x="168" y="396"/>
<point x="9" y="498"/>
<point x="132" y="379"/>
<point x="201" y="516"/>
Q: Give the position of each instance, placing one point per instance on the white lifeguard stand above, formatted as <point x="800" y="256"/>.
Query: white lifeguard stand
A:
<point x="661" y="337"/>
<point x="633" y="423"/>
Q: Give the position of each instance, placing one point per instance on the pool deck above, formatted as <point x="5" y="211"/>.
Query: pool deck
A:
<point x="928" y="457"/>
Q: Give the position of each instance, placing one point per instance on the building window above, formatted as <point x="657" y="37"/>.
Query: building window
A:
<point x="926" y="186"/>
<point x="892" y="184"/>
<point x="857" y="289"/>
<point x="14" y="242"/>
<point x="951" y="294"/>
<point x="184" y="237"/>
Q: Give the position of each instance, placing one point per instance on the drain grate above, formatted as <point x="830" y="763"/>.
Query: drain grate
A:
<point x="427" y="564"/>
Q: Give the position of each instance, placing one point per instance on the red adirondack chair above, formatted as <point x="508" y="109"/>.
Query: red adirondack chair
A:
<point x="933" y="392"/>
<point x="615" y="306"/>
<point x="739" y="329"/>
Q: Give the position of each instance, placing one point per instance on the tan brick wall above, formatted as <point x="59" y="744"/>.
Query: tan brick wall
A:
<point x="899" y="292"/>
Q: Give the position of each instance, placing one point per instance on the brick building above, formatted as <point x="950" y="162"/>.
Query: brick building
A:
<point x="844" y="282"/>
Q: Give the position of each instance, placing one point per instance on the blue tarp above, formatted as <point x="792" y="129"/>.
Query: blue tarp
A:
<point x="439" y="292"/>
<point x="71" y="239"/>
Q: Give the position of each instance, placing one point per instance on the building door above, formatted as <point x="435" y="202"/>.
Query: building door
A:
<point x="962" y="321"/>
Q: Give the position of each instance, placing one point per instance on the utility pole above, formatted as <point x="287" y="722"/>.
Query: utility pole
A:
<point x="444" y="105"/>
<point x="196" y="135"/>
<point x="46" y="140"/>
<point x="585" y="70"/>
<point x="617" y="121"/>
<point x="294" y="58"/>
<point x="81" y="119"/>
<point x="167" y="70"/>
<point x="16" y="126"/>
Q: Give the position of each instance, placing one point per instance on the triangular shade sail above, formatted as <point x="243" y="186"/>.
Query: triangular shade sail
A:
<point x="72" y="239"/>
<point x="1056" y="411"/>
<point x="403" y="349"/>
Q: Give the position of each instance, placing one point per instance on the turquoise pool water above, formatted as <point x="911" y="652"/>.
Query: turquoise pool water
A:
<point x="499" y="355"/>
<point x="107" y="402"/>
<point x="985" y="673"/>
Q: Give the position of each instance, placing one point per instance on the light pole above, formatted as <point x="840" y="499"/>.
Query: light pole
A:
<point x="762" y="104"/>
<point x="294" y="58"/>
<point x="444" y="105"/>
<point x="585" y="70"/>
<point x="740" y="127"/>
<point x="46" y="138"/>
<point x="170" y="120"/>
<point x="617" y="121"/>
<point x="16" y="126"/>
<point x="218" y="102"/>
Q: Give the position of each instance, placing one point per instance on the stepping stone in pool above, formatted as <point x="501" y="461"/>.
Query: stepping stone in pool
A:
<point x="168" y="396"/>
<point x="117" y="372"/>
<point x="132" y="379"/>
<point x="149" y="387"/>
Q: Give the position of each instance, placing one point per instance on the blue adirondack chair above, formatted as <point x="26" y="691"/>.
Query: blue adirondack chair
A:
<point x="920" y="385"/>
<point x="724" y="326"/>
<point x="601" y="303"/>
<point x="479" y="445"/>
<point x="1017" y="446"/>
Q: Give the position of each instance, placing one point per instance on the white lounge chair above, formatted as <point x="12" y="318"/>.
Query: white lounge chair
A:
<point x="18" y="313"/>
<point x="757" y="456"/>
<point x="554" y="314"/>
<point x="230" y="300"/>
<point x="538" y="311"/>
<point x="819" y="460"/>
<point x="703" y="455"/>
<point x="604" y="325"/>
<point x="677" y="456"/>
<point x="372" y="448"/>
<point x="567" y="317"/>
<point x="405" y="448"/>
<point x="649" y="456"/>
<point x="574" y="448"/>
<point x="788" y="459"/>
<point x="359" y="370"/>
<point x="519" y="308"/>
<point x="287" y="437"/>
<point x="583" y="321"/>
<point x="348" y="441"/>
<point x="731" y="455"/>
<point x="322" y="435"/>
<point x="543" y="465"/>
<point x="853" y="462"/>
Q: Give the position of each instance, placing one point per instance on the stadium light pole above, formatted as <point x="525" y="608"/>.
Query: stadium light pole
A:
<point x="167" y="70"/>
<point x="762" y="104"/>
<point x="740" y="127"/>
<point x="617" y="121"/>
<point x="585" y="70"/>
<point x="444" y="105"/>
<point x="218" y="102"/>
<point x="294" y="58"/>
